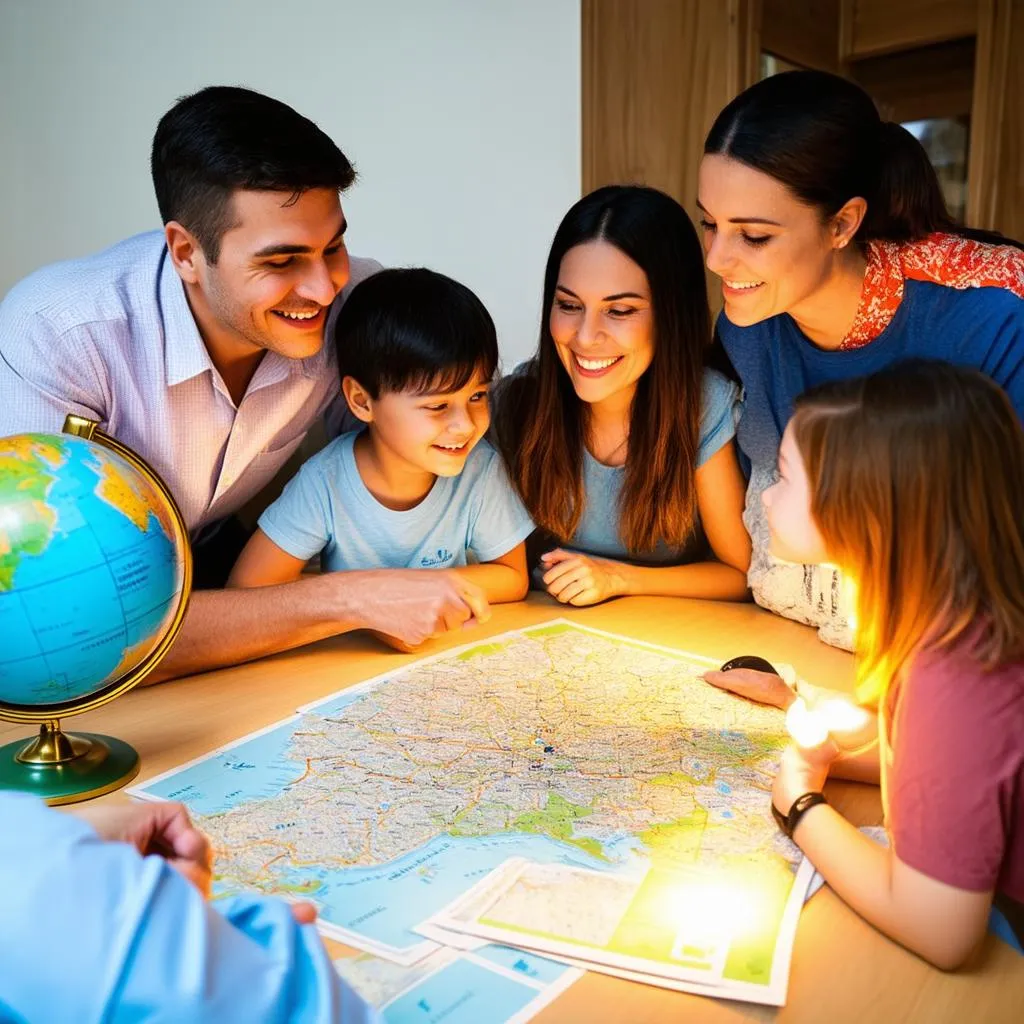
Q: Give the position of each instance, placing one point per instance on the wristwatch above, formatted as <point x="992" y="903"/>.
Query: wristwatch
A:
<point x="801" y="805"/>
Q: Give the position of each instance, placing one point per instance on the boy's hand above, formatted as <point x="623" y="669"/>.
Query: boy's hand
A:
<point x="410" y="606"/>
<point x="577" y="579"/>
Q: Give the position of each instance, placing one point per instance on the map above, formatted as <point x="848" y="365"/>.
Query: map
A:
<point x="565" y="748"/>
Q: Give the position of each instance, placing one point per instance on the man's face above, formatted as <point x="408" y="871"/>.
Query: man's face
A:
<point x="280" y="266"/>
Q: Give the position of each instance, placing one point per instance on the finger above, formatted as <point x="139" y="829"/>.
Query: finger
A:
<point x="304" y="913"/>
<point x="553" y="557"/>
<point x="579" y="575"/>
<point x="587" y="597"/>
<point x="475" y="597"/>
<point x="575" y="589"/>
<point x="173" y="830"/>
<point x="557" y="572"/>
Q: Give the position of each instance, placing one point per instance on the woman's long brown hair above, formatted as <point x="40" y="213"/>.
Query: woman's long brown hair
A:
<point x="541" y="424"/>
<point x="917" y="483"/>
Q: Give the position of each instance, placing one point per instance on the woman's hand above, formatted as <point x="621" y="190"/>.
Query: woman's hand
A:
<point x="802" y="771"/>
<point x="577" y="579"/>
<point x="760" y="687"/>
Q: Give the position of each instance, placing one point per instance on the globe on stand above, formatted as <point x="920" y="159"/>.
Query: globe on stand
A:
<point x="95" y="575"/>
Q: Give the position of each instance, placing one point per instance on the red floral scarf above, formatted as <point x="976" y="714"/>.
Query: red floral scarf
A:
<point x="948" y="260"/>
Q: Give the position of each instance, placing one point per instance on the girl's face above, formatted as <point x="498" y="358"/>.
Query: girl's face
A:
<point x="601" y="320"/>
<point x="787" y="505"/>
<point x="771" y="251"/>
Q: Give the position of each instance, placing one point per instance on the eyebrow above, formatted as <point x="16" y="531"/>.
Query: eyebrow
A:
<point x="607" y="298"/>
<point x="285" y="249"/>
<point x="743" y="220"/>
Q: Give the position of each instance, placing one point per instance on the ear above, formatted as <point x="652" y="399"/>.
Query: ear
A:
<point x="847" y="222"/>
<point x="185" y="252"/>
<point x="358" y="398"/>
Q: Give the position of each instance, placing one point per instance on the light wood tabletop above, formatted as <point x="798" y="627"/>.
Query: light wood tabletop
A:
<point x="842" y="969"/>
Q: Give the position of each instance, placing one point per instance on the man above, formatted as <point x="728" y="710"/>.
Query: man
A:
<point x="202" y="348"/>
<point x="130" y="935"/>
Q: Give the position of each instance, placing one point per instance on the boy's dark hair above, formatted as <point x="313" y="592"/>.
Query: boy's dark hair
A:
<point x="414" y="330"/>
<point x="225" y="138"/>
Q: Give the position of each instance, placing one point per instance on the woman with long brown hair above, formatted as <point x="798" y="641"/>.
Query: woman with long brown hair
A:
<point x="617" y="436"/>
<point x="911" y="481"/>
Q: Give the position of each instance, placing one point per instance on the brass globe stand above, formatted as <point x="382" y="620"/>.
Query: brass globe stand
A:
<point x="65" y="768"/>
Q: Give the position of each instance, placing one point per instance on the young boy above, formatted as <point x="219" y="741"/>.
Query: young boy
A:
<point x="418" y="488"/>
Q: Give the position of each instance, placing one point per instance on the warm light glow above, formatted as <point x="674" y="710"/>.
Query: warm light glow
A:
<point x="811" y="726"/>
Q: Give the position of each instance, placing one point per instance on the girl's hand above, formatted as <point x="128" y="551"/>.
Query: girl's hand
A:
<point x="760" y="687"/>
<point x="577" y="579"/>
<point x="802" y="771"/>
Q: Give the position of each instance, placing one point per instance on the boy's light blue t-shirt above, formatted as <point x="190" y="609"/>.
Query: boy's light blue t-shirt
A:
<point x="598" y="532"/>
<point x="327" y="509"/>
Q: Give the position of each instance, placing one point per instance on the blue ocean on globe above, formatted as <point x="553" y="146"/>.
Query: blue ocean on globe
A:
<point x="90" y="572"/>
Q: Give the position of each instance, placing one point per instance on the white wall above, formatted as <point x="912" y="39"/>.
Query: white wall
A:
<point x="462" y="116"/>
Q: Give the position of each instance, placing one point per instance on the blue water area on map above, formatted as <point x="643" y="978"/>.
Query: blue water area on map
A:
<point x="537" y="968"/>
<point x="461" y="993"/>
<point x="385" y="903"/>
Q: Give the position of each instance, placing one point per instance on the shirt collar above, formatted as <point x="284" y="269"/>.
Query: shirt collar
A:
<point x="185" y="354"/>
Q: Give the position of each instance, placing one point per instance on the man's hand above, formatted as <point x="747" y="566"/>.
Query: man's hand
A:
<point x="760" y="687"/>
<point x="162" y="828"/>
<point x="406" y="607"/>
<point x="577" y="579"/>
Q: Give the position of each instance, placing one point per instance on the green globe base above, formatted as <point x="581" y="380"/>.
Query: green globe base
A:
<point x="107" y="765"/>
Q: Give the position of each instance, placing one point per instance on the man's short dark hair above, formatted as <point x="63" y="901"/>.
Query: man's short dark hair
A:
<point x="413" y="329"/>
<point x="224" y="138"/>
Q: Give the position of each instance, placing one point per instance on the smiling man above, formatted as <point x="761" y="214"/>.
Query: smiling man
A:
<point x="201" y="347"/>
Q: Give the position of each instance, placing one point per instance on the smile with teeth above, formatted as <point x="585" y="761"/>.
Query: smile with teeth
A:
<point x="453" y="447"/>
<point x="744" y="285"/>
<point x="595" y="364"/>
<point x="298" y="316"/>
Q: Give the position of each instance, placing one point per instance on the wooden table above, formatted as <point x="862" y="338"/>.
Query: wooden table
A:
<point x="842" y="969"/>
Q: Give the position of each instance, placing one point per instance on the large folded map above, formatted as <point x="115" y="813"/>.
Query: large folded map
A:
<point x="632" y="796"/>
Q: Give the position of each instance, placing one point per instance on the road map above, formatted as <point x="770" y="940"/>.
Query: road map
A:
<point x="603" y="763"/>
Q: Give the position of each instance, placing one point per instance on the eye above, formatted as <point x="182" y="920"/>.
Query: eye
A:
<point x="565" y="306"/>
<point x="706" y="224"/>
<point x="280" y="264"/>
<point x="479" y="396"/>
<point x="756" y="240"/>
<point x="621" y="312"/>
<point x="334" y="249"/>
<point x="439" y="407"/>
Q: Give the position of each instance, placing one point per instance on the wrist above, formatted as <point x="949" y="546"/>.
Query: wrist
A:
<point x="790" y="820"/>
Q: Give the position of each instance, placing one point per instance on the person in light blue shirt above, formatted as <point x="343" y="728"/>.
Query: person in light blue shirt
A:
<point x="617" y="436"/>
<point x="418" y="488"/>
<point x="129" y="934"/>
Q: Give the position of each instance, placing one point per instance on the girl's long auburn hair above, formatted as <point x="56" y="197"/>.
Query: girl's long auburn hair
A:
<point x="541" y="424"/>
<point x="917" y="487"/>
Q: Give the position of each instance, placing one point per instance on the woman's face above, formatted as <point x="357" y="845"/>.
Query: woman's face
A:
<point x="771" y="251"/>
<point x="601" y="320"/>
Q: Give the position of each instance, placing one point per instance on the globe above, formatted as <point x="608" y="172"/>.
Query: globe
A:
<point x="94" y="576"/>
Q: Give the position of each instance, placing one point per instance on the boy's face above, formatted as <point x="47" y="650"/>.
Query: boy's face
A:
<point x="433" y="432"/>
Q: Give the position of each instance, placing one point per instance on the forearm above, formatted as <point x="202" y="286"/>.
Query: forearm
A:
<point x="501" y="583"/>
<point x="708" y="580"/>
<point x="226" y="627"/>
<point x="862" y="874"/>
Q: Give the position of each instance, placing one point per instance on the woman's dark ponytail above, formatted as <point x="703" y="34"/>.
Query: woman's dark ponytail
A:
<point x="820" y="135"/>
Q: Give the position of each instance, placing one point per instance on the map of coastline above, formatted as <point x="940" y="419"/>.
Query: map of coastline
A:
<point x="558" y="744"/>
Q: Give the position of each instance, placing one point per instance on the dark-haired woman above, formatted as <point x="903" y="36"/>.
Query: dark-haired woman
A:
<point x="837" y="258"/>
<point x="617" y="437"/>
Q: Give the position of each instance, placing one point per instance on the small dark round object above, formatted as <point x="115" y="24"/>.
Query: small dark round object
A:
<point x="750" y="661"/>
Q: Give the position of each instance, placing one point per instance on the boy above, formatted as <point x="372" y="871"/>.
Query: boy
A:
<point x="418" y="488"/>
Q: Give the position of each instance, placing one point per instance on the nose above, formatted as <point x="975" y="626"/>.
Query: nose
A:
<point x="459" y="422"/>
<point x="716" y="254"/>
<point x="589" y="332"/>
<point x="320" y="285"/>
